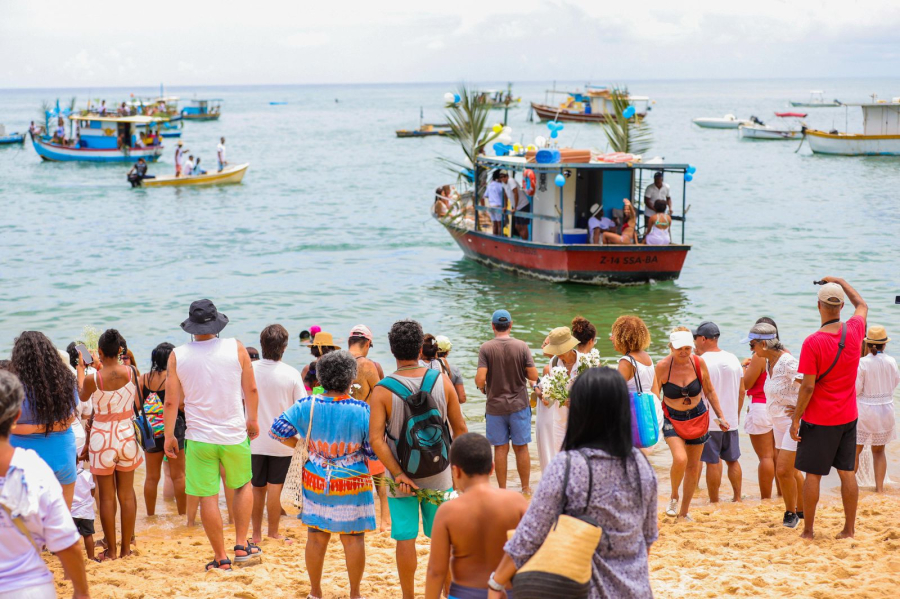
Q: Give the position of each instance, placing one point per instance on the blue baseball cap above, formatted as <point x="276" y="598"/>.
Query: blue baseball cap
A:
<point x="501" y="317"/>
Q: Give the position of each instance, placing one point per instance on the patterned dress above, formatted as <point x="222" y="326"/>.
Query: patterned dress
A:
<point x="337" y="486"/>
<point x="113" y="444"/>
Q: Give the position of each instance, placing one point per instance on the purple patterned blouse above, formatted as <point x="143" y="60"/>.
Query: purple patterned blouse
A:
<point x="623" y="503"/>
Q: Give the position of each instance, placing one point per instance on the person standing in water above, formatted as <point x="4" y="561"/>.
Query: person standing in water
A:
<point x="875" y="384"/>
<point x="220" y="154"/>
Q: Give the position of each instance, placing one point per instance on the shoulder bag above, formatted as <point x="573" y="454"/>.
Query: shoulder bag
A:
<point x="143" y="430"/>
<point x="644" y="426"/>
<point x="695" y="427"/>
<point x="292" y="491"/>
<point x="837" y="356"/>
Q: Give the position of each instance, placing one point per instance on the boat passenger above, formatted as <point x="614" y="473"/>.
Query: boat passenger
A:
<point x="102" y="110"/>
<point x="658" y="190"/>
<point x="629" y="229"/>
<point x="519" y="203"/>
<point x="658" y="225"/>
<point x="441" y="203"/>
<point x="137" y="173"/>
<point x="197" y="169"/>
<point x="60" y="135"/>
<point x="189" y="166"/>
<point x="220" y="154"/>
<point x="494" y="196"/>
<point x="598" y="226"/>
<point x="179" y="157"/>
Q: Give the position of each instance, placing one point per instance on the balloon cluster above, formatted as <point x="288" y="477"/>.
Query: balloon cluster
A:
<point x="628" y="112"/>
<point x="452" y="98"/>
<point x="502" y="149"/>
<point x="555" y="127"/>
<point x="504" y="134"/>
<point x="689" y="173"/>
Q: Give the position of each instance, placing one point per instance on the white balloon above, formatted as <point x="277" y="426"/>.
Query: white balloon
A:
<point x="505" y="139"/>
<point x="449" y="97"/>
<point x="507" y="131"/>
<point x="540" y="141"/>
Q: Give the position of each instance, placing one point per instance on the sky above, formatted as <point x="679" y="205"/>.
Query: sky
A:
<point x="65" y="43"/>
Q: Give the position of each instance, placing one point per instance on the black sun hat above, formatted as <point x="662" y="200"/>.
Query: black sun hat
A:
<point x="204" y="319"/>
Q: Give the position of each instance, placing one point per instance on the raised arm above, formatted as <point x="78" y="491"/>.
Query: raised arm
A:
<point x="862" y="309"/>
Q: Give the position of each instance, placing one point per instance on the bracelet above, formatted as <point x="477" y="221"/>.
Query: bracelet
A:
<point x="494" y="585"/>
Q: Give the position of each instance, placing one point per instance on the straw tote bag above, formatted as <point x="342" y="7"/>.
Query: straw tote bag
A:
<point x="292" y="491"/>
<point x="562" y="567"/>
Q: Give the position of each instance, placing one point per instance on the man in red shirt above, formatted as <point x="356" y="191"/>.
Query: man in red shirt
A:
<point x="827" y="402"/>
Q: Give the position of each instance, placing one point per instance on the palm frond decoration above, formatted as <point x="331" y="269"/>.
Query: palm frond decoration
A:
<point x="631" y="136"/>
<point x="468" y="121"/>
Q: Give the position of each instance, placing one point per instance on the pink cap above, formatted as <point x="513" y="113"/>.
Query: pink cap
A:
<point x="314" y="329"/>
<point x="361" y="330"/>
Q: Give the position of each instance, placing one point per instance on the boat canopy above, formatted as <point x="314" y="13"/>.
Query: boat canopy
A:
<point x="205" y="101"/>
<point x="138" y="119"/>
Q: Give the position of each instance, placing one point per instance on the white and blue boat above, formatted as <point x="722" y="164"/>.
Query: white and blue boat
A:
<point x="10" y="138"/>
<point x="202" y="110"/>
<point x="102" y="139"/>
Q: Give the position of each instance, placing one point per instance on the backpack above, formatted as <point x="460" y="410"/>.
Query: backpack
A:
<point x="423" y="448"/>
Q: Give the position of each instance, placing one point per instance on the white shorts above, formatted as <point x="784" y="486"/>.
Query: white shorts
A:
<point x="757" y="421"/>
<point x="782" y="428"/>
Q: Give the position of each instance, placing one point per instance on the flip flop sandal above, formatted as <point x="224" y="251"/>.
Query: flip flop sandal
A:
<point x="248" y="549"/>
<point x="102" y="557"/>
<point x="217" y="565"/>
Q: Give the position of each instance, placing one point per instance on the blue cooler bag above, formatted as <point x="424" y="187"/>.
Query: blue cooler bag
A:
<point x="644" y="425"/>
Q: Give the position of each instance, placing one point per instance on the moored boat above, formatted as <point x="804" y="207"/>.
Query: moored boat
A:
<point x="816" y="100"/>
<point x="759" y="130"/>
<point x="8" y="138"/>
<point x="497" y="99"/>
<point x="729" y="121"/>
<point x="557" y="245"/>
<point x="202" y="110"/>
<point x="425" y="129"/>
<point x="227" y="176"/>
<point x="102" y="139"/>
<point x="880" y="136"/>
<point x="594" y="105"/>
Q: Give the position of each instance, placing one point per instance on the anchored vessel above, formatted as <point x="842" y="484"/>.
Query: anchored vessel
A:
<point x="816" y="100"/>
<point x="226" y="176"/>
<point x="880" y="136"/>
<point x="202" y="110"/>
<point x="557" y="247"/>
<point x="7" y="137"/>
<point x="593" y="105"/>
<point x="102" y="139"/>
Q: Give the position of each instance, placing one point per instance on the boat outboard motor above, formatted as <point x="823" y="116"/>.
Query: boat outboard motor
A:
<point x="753" y="119"/>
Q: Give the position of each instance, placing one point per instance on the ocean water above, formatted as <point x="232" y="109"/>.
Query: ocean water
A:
<point x="331" y="225"/>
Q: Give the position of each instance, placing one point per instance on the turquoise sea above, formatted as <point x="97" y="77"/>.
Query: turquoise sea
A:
<point x="331" y="225"/>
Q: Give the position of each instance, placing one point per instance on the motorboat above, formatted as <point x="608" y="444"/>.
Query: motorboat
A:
<point x="7" y="138"/>
<point x="817" y="100"/>
<point x="227" y="176"/>
<point x="593" y="105"/>
<point x="425" y="129"/>
<point x="880" y="136"/>
<point x="729" y="121"/>
<point x="202" y="110"/>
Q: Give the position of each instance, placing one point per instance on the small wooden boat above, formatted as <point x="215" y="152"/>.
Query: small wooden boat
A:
<point x="594" y="105"/>
<point x="880" y="136"/>
<point x="425" y="129"/>
<point x="7" y="138"/>
<point x="202" y="110"/>
<point x="729" y="121"/>
<point x="816" y="100"/>
<point x="227" y="176"/>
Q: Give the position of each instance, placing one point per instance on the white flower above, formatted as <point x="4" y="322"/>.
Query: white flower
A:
<point x="586" y="361"/>
<point x="555" y="386"/>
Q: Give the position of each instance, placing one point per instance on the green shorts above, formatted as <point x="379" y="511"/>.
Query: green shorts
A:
<point x="202" y="462"/>
<point x="405" y="517"/>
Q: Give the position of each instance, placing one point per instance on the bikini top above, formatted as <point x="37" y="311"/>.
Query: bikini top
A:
<point x="673" y="391"/>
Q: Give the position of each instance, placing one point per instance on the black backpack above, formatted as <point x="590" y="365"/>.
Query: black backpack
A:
<point x="423" y="448"/>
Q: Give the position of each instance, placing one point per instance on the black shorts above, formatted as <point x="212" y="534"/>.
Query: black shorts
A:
<point x="180" y="427"/>
<point x="269" y="469"/>
<point x="822" y="448"/>
<point x="85" y="527"/>
<point x="520" y="221"/>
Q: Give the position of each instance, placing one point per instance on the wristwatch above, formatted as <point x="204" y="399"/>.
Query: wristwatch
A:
<point x="494" y="585"/>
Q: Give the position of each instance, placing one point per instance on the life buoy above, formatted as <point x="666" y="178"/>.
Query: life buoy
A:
<point x="529" y="181"/>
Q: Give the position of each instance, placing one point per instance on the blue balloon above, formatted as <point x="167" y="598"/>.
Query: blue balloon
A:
<point x="500" y="149"/>
<point x="688" y="177"/>
<point x="560" y="179"/>
<point x="628" y="112"/>
<point x="560" y="126"/>
<point x="456" y="98"/>
<point x="551" y="125"/>
<point x="554" y="134"/>
<point x="691" y="169"/>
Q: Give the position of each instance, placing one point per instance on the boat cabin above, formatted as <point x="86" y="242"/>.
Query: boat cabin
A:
<point x="560" y="215"/>
<point x="598" y="100"/>
<point x="881" y="118"/>
<point x="115" y="132"/>
<point x="203" y="109"/>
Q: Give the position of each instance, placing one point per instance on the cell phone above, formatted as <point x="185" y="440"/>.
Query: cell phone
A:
<point x="897" y="299"/>
<point x="85" y="354"/>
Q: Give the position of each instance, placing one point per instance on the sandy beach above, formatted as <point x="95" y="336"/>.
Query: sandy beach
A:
<point x="733" y="549"/>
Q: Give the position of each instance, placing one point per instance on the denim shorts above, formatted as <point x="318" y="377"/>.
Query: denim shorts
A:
<point x="515" y="427"/>
<point x="668" y="430"/>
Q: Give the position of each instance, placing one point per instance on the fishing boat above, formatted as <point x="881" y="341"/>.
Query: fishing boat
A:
<point x="101" y="139"/>
<point x="425" y="129"/>
<point x="557" y="247"/>
<point x="227" y="176"/>
<point x="162" y="106"/>
<point x="202" y="110"/>
<point x="498" y="99"/>
<point x="593" y="105"/>
<point x="7" y="138"/>
<point x="880" y="136"/>
<point x="759" y="130"/>
<point x="729" y="121"/>
<point x="816" y="100"/>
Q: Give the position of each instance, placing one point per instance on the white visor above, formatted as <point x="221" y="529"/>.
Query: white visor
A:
<point x="680" y="339"/>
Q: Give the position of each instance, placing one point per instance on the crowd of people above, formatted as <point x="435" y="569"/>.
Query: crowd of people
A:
<point x="213" y="412"/>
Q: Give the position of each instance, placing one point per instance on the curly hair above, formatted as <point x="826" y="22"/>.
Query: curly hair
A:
<point x="11" y="397"/>
<point x="336" y="370"/>
<point x="111" y="343"/>
<point x="48" y="382"/>
<point x="630" y="334"/>
<point x="583" y="330"/>
<point x="406" y="338"/>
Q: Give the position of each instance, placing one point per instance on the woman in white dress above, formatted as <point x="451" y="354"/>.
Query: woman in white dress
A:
<point x="876" y="381"/>
<point x="782" y="388"/>
<point x="552" y="418"/>
<point x="658" y="226"/>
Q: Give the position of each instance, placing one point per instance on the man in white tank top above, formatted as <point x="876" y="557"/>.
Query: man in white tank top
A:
<point x="214" y="379"/>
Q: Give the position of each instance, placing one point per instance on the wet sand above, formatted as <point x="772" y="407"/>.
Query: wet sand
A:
<point x="731" y="549"/>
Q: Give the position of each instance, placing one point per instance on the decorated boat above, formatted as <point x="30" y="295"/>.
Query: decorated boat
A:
<point x="93" y="138"/>
<point x="729" y="121"/>
<point x="8" y="138"/>
<point x="880" y="136"/>
<point x="593" y="105"/>
<point x="816" y="100"/>
<point x="227" y="176"/>
<point x="202" y="110"/>
<point x="567" y="184"/>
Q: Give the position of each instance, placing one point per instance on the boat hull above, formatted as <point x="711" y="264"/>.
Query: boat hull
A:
<point x="719" y="123"/>
<point x="587" y="264"/>
<point x="436" y="132"/>
<point x="759" y="133"/>
<point x="815" y="104"/>
<point x="552" y="113"/>
<point x="56" y="153"/>
<point x="15" y="138"/>
<point x="228" y="176"/>
<point x="849" y="144"/>
<point x="200" y="117"/>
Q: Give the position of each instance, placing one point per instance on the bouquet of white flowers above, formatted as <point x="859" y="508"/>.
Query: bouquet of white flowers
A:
<point x="555" y="386"/>
<point x="585" y="361"/>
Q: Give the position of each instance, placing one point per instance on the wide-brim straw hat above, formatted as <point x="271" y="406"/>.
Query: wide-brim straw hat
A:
<point x="324" y="339"/>
<point x="561" y="342"/>
<point x="876" y="335"/>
